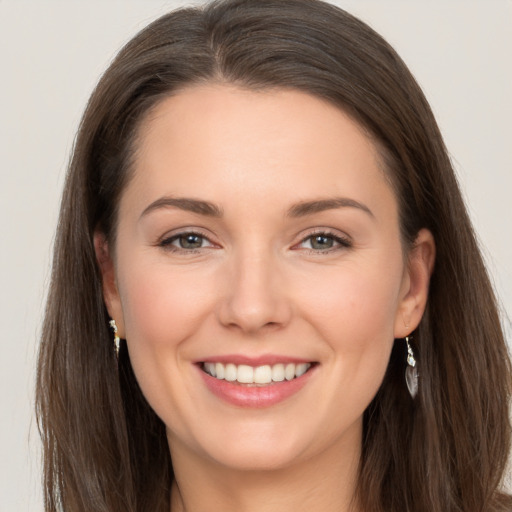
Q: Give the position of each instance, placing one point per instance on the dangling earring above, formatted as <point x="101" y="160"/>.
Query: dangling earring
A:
<point x="117" y="341"/>
<point x="411" y="372"/>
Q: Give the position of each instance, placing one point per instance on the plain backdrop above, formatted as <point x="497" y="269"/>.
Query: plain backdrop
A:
<point x="51" y="55"/>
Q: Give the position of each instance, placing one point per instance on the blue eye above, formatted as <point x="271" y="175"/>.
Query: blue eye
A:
<point x="190" y="241"/>
<point x="185" y="242"/>
<point x="324" y="242"/>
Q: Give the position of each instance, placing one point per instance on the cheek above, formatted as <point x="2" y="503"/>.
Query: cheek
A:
<point x="353" y="302"/>
<point x="356" y="320"/>
<point x="354" y="313"/>
<point x="162" y="307"/>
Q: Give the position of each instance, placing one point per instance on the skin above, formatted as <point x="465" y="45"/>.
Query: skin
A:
<point x="257" y="285"/>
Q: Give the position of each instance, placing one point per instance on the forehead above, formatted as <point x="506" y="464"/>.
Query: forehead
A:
<point x="223" y="142"/>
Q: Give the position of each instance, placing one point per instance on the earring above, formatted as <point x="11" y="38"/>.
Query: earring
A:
<point x="411" y="372"/>
<point x="117" y="340"/>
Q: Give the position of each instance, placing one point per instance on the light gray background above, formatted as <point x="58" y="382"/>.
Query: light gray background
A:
<point x="51" y="55"/>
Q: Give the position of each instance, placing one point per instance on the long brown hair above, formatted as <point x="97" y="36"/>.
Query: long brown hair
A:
<point x="104" y="448"/>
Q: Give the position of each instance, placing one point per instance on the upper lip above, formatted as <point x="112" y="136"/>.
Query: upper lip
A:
<point x="255" y="361"/>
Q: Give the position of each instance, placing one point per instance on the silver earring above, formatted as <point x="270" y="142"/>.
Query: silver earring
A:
<point x="117" y="341"/>
<point x="411" y="372"/>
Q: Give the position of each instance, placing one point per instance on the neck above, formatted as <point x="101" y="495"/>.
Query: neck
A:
<point x="324" y="483"/>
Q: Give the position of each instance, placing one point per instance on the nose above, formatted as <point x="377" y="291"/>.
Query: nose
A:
<point x="255" y="298"/>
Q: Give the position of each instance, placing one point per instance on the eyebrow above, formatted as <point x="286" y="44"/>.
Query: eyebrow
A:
<point x="185" y="203"/>
<point x="310" y="207"/>
<point x="301" y="209"/>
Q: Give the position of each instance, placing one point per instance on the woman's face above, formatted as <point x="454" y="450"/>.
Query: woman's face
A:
<point x="259" y="239"/>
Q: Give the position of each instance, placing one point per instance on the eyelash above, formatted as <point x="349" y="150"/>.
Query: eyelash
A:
<point x="166" y="243"/>
<point x="342" y="242"/>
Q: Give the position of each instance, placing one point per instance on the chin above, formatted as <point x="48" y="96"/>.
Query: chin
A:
<point x="257" y="458"/>
<point x="269" y="445"/>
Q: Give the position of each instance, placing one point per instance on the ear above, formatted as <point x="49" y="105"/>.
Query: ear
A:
<point x="108" y="277"/>
<point x="415" y="284"/>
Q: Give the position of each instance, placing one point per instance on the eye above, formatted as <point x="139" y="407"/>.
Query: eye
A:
<point x="324" y="242"/>
<point x="188" y="241"/>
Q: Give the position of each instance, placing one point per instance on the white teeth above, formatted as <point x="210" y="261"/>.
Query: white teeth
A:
<point x="260" y="375"/>
<point x="278" y="372"/>
<point x="289" y="371"/>
<point x="230" y="372"/>
<point x="210" y="368"/>
<point x="245" y="374"/>
<point x="301" y="369"/>
<point x="263" y="374"/>
<point x="219" y="370"/>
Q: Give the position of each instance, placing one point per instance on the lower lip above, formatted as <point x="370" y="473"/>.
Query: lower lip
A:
<point x="243" y="395"/>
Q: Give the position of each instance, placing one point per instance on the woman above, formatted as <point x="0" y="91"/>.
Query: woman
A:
<point x="266" y="291"/>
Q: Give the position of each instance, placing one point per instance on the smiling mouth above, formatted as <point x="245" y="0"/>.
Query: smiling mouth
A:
<point x="256" y="376"/>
